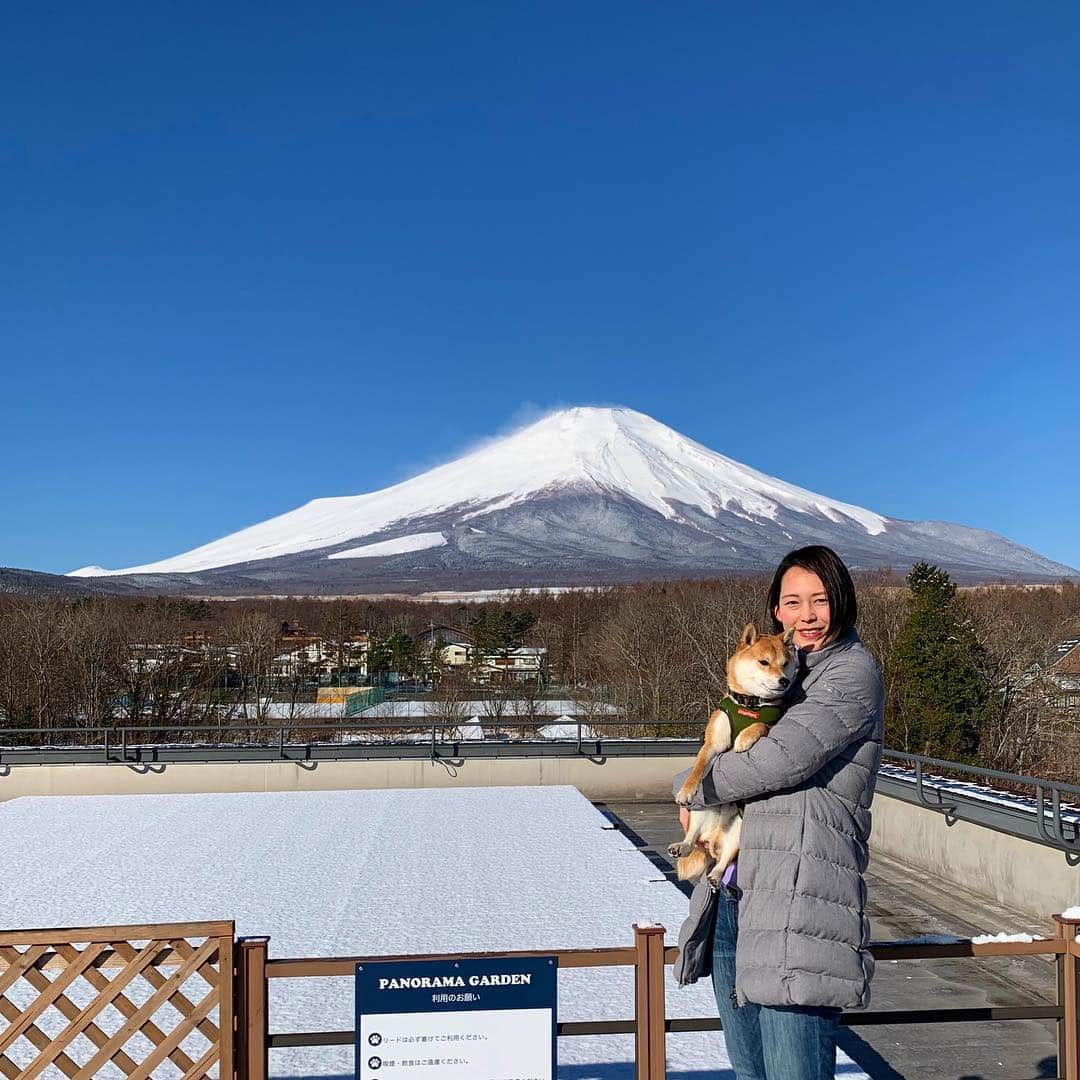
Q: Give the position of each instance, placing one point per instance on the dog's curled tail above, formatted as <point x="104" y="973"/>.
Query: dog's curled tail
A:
<point x="692" y="866"/>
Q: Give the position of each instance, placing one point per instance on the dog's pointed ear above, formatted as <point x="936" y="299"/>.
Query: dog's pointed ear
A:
<point x="789" y="635"/>
<point x="749" y="635"/>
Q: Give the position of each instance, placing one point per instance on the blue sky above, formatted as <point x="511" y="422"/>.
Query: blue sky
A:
<point x="253" y="254"/>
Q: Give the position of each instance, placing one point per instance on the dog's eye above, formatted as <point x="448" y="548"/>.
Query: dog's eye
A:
<point x="764" y="663"/>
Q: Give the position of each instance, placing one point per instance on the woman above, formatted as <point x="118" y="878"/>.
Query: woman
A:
<point x="787" y="941"/>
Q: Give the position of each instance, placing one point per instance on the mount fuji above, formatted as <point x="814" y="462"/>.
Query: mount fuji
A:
<point x="582" y="496"/>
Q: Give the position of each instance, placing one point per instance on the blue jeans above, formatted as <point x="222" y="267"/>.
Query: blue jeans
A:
<point x="767" y="1042"/>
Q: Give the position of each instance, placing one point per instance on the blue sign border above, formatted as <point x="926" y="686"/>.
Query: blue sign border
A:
<point x="542" y="992"/>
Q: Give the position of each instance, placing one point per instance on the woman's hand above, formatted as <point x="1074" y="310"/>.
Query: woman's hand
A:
<point x="684" y="821"/>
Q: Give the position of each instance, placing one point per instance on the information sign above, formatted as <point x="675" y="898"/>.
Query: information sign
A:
<point x="456" y="1019"/>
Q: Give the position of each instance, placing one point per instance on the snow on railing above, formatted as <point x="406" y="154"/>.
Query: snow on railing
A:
<point x="1050" y="815"/>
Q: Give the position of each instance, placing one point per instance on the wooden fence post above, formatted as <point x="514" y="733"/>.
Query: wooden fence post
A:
<point x="252" y="1022"/>
<point x="1059" y="1025"/>
<point x="1069" y="1027"/>
<point x="649" y="1007"/>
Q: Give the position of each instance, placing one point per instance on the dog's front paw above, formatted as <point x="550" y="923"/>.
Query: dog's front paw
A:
<point x="679" y="850"/>
<point x="686" y="795"/>
<point x="748" y="736"/>
<point x="715" y="877"/>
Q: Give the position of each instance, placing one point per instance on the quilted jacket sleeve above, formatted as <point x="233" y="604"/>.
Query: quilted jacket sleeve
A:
<point x="844" y="705"/>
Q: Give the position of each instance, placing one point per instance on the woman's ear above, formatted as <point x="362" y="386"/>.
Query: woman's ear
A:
<point x="749" y="635"/>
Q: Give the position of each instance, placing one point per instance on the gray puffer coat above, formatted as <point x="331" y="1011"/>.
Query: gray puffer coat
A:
<point x="803" y="932"/>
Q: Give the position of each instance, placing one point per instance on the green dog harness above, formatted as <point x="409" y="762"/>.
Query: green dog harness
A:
<point x="742" y="716"/>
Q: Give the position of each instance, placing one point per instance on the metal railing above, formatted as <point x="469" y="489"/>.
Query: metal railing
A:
<point x="1045" y="811"/>
<point x="348" y="739"/>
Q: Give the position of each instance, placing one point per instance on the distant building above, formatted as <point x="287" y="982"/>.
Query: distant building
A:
<point x="458" y="651"/>
<point x="299" y="659"/>
<point x="455" y="646"/>
<point x="524" y="664"/>
<point x="323" y="659"/>
<point x="1059" y="675"/>
<point x="456" y="655"/>
<point x="149" y="656"/>
<point x="448" y="635"/>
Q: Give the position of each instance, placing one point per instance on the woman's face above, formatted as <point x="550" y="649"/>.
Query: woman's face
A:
<point x="804" y="604"/>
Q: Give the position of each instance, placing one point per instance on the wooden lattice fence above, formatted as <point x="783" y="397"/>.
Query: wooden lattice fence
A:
<point x="118" y="1001"/>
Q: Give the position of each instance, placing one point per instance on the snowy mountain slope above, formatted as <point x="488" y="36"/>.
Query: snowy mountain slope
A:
<point x="604" y="492"/>
<point x="34" y="583"/>
<point x="603" y="451"/>
<point x="398" y="546"/>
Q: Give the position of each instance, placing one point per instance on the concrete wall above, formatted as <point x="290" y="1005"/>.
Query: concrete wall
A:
<point x="643" y="779"/>
<point x="1016" y="873"/>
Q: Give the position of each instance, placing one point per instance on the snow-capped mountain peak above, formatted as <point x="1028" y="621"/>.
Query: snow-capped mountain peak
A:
<point x="618" y="450"/>
<point x="614" y="451"/>
<point x="583" y="495"/>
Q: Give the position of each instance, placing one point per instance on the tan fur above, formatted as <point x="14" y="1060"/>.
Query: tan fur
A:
<point x="761" y="666"/>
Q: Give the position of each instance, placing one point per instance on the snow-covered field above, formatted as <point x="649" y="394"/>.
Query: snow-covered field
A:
<point x="366" y="873"/>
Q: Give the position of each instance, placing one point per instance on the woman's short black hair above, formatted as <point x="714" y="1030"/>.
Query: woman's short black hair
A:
<point x="823" y="561"/>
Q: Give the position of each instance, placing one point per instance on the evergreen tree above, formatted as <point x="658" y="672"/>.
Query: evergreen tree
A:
<point x="404" y="654"/>
<point x="939" y="692"/>
<point x="501" y="634"/>
<point x="379" y="658"/>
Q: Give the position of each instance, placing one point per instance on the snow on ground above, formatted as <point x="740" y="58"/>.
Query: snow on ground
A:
<point x="470" y="731"/>
<point x="1002" y="936"/>
<point x="491" y="712"/>
<point x="397" y="546"/>
<point x="340" y="873"/>
<point x="566" y="729"/>
<point x="397" y="708"/>
<point x="451" y="597"/>
<point x="927" y="939"/>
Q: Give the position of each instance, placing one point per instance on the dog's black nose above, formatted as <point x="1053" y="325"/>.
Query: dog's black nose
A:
<point x="784" y="680"/>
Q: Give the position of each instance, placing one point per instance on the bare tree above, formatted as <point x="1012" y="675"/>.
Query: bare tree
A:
<point x="656" y="652"/>
<point x="253" y="638"/>
<point x="447" y="707"/>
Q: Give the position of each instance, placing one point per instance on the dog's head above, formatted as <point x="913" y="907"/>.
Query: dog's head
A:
<point x="762" y="665"/>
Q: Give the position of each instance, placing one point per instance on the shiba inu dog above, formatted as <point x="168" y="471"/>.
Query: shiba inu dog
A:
<point x="758" y="674"/>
